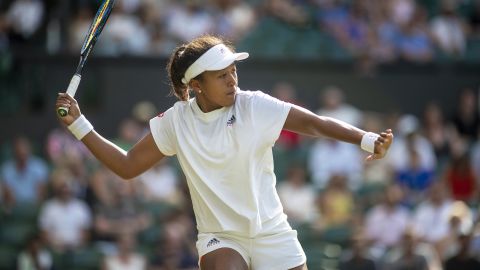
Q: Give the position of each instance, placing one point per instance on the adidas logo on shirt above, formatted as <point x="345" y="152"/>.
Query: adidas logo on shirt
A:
<point x="212" y="242"/>
<point x="231" y="121"/>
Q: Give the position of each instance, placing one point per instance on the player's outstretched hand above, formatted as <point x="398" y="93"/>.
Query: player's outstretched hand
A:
<point x="382" y="144"/>
<point x="66" y="101"/>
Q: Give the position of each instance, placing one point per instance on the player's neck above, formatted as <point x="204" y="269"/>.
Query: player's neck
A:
<point x="206" y="106"/>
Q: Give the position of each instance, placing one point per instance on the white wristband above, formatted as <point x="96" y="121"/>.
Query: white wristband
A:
<point x="80" y="127"/>
<point x="368" y="141"/>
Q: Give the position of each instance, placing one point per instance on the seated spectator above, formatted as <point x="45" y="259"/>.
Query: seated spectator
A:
<point x="25" y="175"/>
<point x="335" y="204"/>
<point x="161" y="184"/>
<point x="328" y="158"/>
<point x="64" y="150"/>
<point x="401" y="12"/>
<point x="125" y="34"/>
<point x="188" y="20"/>
<point x="24" y="18"/>
<point x="431" y="220"/>
<point x="461" y="223"/>
<point x="176" y="249"/>
<point x="125" y="258"/>
<point x="129" y="132"/>
<point x="385" y="224"/>
<point x="437" y="132"/>
<point x="414" y="179"/>
<point x="81" y="171"/>
<point x="119" y="207"/>
<point x="61" y="146"/>
<point x="384" y="32"/>
<point x="449" y="30"/>
<point x="356" y="258"/>
<point x="463" y="259"/>
<point x="234" y="18"/>
<point x="142" y="112"/>
<point x="297" y="196"/>
<point x="466" y="118"/>
<point x="409" y="137"/>
<point x="34" y="256"/>
<point x="355" y="32"/>
<point x="408" y="256"/>
<point x="459" y="175"/>
<point x="333" y="104"/>
<point x="64" y="220"/>
<point x="413" y="42"/>
<point x="332" y="15"/>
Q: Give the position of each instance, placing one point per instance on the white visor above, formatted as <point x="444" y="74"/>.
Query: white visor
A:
<point x="216" y="58"/>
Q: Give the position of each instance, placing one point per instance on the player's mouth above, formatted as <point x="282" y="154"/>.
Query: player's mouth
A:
<point x="232" y="92"/>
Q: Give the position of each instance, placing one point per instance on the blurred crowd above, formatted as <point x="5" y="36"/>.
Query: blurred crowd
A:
<point x="416" y="209"/>
<point x="377" y="30"/>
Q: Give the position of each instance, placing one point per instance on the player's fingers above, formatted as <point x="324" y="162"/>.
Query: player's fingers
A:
<point x="67" y="96"/>
<point x="389" y="138"/>
<point x="62" y="99"/>
<point x="64" y="105"/>
<point x="381" y="139"/>
<point x="378" y="143"/>
<point x="371" y="157"/>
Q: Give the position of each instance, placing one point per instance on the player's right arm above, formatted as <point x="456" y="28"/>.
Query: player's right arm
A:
<point x="143" y="155"/>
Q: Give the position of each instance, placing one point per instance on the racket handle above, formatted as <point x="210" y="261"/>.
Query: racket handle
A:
<point x="71" y="90"/>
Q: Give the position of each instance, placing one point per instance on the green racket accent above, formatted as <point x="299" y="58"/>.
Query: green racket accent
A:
<point x="62" y="111"/>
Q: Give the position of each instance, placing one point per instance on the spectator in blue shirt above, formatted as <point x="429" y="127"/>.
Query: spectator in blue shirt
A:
<point x="413" y="41"/>
<point x="24" y="176"/>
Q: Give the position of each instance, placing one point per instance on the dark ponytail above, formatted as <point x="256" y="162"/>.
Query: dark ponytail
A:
<point x="176" y="69"/>
<point x="184" y="56"/>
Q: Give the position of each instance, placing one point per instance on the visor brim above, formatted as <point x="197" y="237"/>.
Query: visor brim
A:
<point x="227" y="61"/>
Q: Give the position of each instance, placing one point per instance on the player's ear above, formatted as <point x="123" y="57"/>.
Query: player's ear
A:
<point x="196" y="86"/>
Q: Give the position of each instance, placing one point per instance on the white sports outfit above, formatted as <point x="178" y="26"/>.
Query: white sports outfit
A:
<point x="226" y="156"/>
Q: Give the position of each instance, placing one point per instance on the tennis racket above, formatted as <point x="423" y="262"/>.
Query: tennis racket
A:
<point x="90" y="39"/>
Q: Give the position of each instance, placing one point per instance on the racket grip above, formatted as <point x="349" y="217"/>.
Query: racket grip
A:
<point x="71" y="90"/>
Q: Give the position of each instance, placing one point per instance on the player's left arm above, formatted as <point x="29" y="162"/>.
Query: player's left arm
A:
<point x="303" y="121"/>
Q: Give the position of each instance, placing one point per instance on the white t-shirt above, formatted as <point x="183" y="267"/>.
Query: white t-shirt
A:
<point x="160" y="182"/>
<point x="299" y="202"/>
<point x="226" y="156"/>
<point x="386" y="227"/>
<point x="432" y="222"/>
<point x="65" y="221"/>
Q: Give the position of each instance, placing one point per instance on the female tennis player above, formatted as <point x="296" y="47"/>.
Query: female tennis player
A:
<point x="223" y="139"/>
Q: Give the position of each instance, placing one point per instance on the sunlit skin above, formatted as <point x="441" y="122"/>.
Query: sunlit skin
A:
<point x="216" y="89"/>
